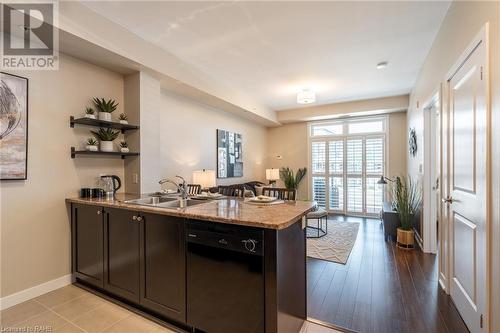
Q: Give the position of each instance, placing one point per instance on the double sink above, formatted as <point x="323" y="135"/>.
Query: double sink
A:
<point x="165" y="202"/>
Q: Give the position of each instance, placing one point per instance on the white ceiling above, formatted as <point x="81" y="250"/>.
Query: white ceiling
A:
<point x="270" y="50"/>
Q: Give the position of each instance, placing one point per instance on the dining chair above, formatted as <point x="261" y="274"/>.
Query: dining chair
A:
<point x="193" y="189"/>
<point x="280" y="193"/>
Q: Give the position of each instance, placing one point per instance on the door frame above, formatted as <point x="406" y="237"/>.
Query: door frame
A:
<point x="431" y="146"/>
<point x="481" y="37"/>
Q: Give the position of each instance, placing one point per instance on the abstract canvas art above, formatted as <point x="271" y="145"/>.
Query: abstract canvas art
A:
<point x="13" y="127"/>
<point x="229" y="154"/>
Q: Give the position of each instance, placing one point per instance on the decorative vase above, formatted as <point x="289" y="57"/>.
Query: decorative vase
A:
<point x="90" y="116"/>
<point x="105" y="116"/>
<point x="405" y="239"/>
<point x="106" y="145"/>
<point x="92" y="148"/>
<point x="123" y="122"/>
<point x="124" y="150"/>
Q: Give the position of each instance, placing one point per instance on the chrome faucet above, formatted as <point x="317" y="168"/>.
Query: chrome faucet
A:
<point x="182" y="188"/>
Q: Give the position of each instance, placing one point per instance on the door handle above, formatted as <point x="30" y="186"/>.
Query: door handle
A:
<point x="447" y="200"/>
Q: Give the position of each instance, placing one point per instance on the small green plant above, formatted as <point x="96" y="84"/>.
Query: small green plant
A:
<point x="122" y="116"/>
<point x="123" y="144"/>
<point x="89" y="110"/>
<point x="407" y="196"/>
<point x="91" y="142"/>
<point x="292" y="181"/>
<point x="106" y="134"/>
<point x="105" y="106"/>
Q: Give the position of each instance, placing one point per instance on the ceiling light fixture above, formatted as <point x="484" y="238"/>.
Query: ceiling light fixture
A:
<point x="306" y="96"/>
<point x="382" y="65"/>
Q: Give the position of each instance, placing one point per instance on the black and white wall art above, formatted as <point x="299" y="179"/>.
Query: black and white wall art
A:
<point x="13" y="127"/>
<point x="229" y="154"/>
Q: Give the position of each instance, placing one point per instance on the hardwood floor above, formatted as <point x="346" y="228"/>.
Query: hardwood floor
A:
<point x="381" y="288"/>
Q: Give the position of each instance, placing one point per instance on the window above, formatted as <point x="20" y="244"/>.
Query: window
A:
<point x="346" y="167"/>
<point x="327" y="129"/>
<point x="359" y="127"/>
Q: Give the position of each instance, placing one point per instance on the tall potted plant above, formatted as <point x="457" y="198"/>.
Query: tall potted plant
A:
<point x="291" y="180"/>
<point x="407" y="196"/>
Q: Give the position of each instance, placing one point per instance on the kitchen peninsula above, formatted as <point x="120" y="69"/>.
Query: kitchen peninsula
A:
<point x="218" y="266"/>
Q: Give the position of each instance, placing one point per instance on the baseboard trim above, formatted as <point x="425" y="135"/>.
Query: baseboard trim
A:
<point x="330" y="325"/>
<point x="27" y="294"/>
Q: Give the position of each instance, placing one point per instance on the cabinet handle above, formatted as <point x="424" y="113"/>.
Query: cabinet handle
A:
<point x="139" y="218"/>
<point x="134" y="218"/>
<point x="99" y="212"/>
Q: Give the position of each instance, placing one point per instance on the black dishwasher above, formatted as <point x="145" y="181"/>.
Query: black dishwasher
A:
<point x="225" y="278"/>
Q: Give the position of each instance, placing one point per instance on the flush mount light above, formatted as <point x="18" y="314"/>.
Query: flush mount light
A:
<point x="382" y="65"/>
<point x="306" y="96"/>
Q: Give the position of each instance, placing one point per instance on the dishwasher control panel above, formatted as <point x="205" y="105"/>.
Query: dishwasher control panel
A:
<point x="233" y="238"/>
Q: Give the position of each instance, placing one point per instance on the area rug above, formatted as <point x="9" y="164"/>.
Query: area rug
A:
<point x="336" y="245"/>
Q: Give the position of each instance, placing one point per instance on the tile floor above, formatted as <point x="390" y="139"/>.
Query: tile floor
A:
<point x="73" y="310"/>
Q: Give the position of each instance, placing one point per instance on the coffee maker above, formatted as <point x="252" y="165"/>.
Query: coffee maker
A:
<point x="110" y="184"/>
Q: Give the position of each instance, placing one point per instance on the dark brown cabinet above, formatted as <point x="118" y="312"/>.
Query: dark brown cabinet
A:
<point x="87" y="244"/>
<point x="163" y="266"/>
<point x="122" y="253"/>
<point x="138" y="257"/>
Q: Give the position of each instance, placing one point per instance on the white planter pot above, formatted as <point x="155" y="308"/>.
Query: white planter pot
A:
<point x="123" y="122"/>
<point x="124" y="150"/>
<point x="106" y="145"/>
<point x="92" y="148"/>
<point x="105" y="116"/>
<point x="91" y="116"/>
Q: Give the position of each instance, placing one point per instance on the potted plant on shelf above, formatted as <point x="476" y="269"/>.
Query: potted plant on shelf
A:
<point x="89" y="113"/>
<point x="124" y="147"/>
<point x="105" y="107"/>
<point x="92" y="144"/>
<point x="292" y="181"/>
<point x="106" y="136"/>
<point x="123" y="118"/>
<point x="407" y="196"/>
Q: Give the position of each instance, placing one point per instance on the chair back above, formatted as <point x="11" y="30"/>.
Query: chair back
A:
<point x="232" y="190"/>
<point x="280" y="193"/>
<point x="193" y="189"/>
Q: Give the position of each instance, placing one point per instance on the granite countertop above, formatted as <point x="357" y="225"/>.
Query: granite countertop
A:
<point x="228" y="210"/>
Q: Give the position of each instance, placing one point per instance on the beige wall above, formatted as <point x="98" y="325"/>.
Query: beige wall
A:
<point x="291" y="143"/>
<point x="462" y="23"/>
<point x="35" y="232"/>
<point x="398" y="144"/>
<point x="188" y="139"/>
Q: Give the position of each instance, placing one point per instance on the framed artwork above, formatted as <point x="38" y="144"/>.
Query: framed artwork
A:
<point x="13" y="127"/>
<point x="229" y="154"/>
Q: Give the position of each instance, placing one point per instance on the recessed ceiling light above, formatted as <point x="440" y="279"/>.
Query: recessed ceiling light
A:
<point x="382" y="65"/>
<point x="306" y="96"/>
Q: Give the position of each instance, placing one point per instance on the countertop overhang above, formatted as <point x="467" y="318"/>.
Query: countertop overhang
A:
<point x="229" y="210"/>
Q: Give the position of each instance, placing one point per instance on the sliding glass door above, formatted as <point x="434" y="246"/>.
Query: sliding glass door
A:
<point x="347" y="160"/>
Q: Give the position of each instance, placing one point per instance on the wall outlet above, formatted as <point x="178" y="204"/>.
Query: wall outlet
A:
<point x="135" y="178"/>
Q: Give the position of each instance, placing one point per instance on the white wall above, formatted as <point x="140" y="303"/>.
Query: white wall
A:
<point x="35" y="229"/>
<point x="188" y="139"/>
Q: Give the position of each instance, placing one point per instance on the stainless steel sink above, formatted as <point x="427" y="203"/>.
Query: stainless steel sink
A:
<point x="165" y="202"/>
<point x="177" y="203"/>
<point x="151" y="201"/>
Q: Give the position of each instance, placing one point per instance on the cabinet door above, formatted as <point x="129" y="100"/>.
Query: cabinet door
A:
<point x="163" y="266"/>
<point x="87" y="244"/>
<point x="121" y="253"/>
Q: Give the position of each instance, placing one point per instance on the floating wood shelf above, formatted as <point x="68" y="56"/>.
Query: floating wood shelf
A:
<point x="101" y="123"/>
<point x="75" y="152"/>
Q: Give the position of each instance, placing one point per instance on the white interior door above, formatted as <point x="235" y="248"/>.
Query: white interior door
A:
<point x="467" y="203"/>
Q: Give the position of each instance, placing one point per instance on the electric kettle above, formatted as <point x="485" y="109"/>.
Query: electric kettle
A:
<point x="110" y="185"/>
